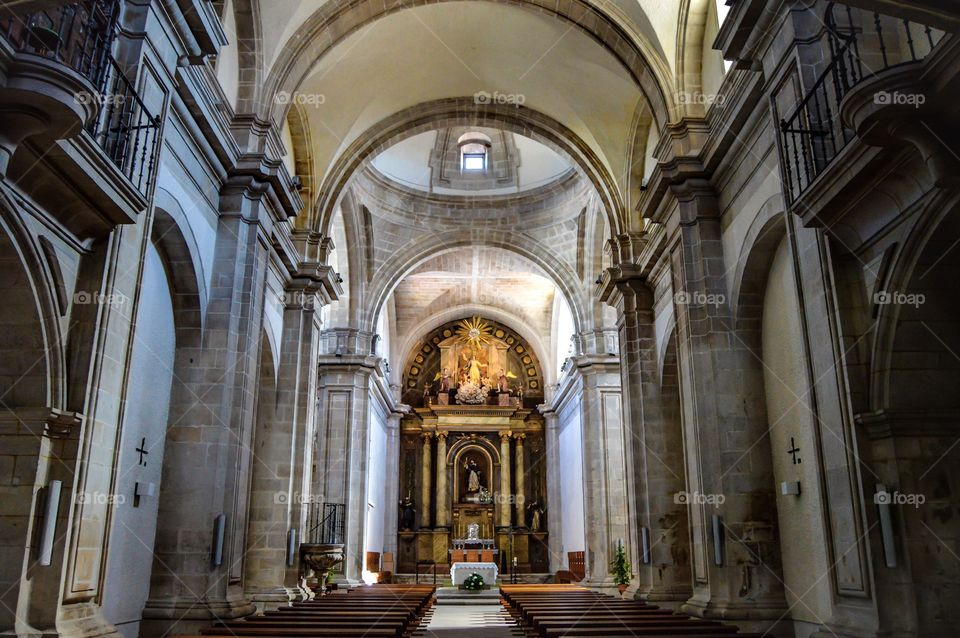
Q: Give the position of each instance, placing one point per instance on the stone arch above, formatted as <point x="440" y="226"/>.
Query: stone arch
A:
<point x="497" y="314"/>
<point x="33" y="364"/>
<point x="173" y="236"/>
<point x="32" y="391"/>
<point x="250" y="53"/>
<point x="403" y="261"/>
<point x="691" y="27"/>
<point x="179" y="252"/>
<point x="304" y="166"/>
<point x="264" y="566"/>
<point x="464" y="111"/>
<point x="423" y="357"/>
<point x="337" y="19"/>
<point x="764" y="235"/>
<point x="927" y="264"/>
<point x="464" y="445"/>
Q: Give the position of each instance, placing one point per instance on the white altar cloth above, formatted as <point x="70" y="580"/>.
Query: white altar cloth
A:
<point x="460" y="571"/>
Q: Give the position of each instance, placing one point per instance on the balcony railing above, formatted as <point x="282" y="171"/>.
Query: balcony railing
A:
<point x="125" y="129"/>
<point x="80" y="36"/>
<point x="325" y="524"/>
<point x="813" y="134"/>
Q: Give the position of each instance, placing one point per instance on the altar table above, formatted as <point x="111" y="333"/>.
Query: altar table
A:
<point x="460" y="571"/>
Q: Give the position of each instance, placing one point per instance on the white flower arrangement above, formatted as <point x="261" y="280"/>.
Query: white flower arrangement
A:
<point x="471" y="393"/>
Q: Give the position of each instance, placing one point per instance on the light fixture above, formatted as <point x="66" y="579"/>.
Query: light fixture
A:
<point x="717" y="540"/>
<point x="50" y="513"/>
<point x="291" y="546"/>
<point x="219" y="527"/>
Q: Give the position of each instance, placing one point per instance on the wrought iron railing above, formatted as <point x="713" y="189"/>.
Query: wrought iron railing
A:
<point x="325" y="524"/>
<point x="813" y="134"/>
<point x="80" y="35"/>
<point x="77" y="34"/>
<point x="125" y="129"/>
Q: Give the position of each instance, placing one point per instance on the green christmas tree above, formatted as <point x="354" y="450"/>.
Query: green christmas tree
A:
<point x="620" y="566"/>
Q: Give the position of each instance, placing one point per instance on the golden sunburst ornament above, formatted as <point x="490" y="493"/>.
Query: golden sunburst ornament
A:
<point x="474" y="332"/>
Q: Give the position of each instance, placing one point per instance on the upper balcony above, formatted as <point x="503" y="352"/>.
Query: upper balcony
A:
<point x="863" y="50"/>
<point x="68" y="107"/>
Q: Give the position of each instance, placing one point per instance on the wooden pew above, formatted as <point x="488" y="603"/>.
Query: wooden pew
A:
<point x="380" y="611"/>
<point x="555" y="611"/>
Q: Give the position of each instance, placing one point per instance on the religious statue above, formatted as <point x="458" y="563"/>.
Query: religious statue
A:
<point x="536" y="512"/>
<point x="473" y="373"/>
<point x="407" y="513"/>
<point x="444" y="381"/>
<point x="503" y="384"/>
<point x="473" y="476"/>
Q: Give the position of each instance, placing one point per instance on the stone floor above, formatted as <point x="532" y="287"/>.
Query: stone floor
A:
<point x="469" y="621"/>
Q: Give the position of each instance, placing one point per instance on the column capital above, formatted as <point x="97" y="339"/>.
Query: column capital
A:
<point x="442" y="436"/>
<point x="505" y="436"/>
<point x="626" y="285"/>
<point x="519" y="438"/>
<point x="426" y="436"/>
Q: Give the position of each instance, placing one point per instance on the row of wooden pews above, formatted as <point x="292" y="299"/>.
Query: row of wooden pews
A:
<point x="551" y="611"/>
<point x="376" y="611"/>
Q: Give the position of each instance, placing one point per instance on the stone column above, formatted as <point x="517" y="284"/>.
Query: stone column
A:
<point x="606" y="470"/>
<point x="728" y="457"/>
<point x="341" y="448"/>
<point x="392" y="511"/>
<point x="425" y="471"/>
<point x="443" y="499"/>
<point x="279" y="493"/>
<point x="554" y="519"/>
<point x="206" y="463"/>
<point x="504" y="479"/>
<point x="657" y="445"/>
<point x="521" y="474"/>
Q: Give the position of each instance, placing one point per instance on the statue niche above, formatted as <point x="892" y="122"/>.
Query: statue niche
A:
<point x="474" y="472"/>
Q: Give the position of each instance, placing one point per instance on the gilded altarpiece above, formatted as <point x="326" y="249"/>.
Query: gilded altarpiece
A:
<point x="462" y="465"/>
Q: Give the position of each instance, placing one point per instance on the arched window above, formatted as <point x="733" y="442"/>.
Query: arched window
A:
<point x="474" y="149"/>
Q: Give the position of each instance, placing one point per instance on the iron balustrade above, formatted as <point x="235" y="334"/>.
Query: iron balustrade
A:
<point x="80" y="35"/>
<point x="125" y="129"/>
<point x="325" y="524"/>
<point x="813" y="134"/>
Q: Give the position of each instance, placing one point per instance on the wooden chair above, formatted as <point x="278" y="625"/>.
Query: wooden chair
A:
<point x="577" y="570"/>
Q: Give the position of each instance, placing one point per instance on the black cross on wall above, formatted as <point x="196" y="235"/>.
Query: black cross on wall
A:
<point x="142" y="450"/>
<point x="794" y="452"/>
